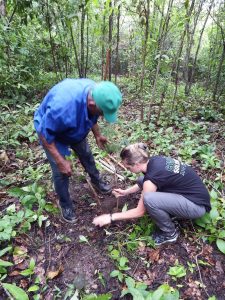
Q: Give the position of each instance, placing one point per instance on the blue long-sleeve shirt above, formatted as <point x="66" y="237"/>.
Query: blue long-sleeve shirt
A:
<point x="63" y="117"/>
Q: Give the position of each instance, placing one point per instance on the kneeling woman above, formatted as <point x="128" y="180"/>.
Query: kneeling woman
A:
<point x="170" y="188"/>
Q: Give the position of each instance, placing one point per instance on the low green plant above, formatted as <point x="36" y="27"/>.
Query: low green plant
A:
<point x="177" y="271"/>
<point x="138" y="290"/>
<point x="121" y="265"/>
<point x="16" y="221"/>
<point x="210" y="162"/>
<point x="30" y="270"/>
<point x="16" y="292"/>
<point x="213" y="222"/>
<point x="107" y="296"/>
<point x="141" y="232"/>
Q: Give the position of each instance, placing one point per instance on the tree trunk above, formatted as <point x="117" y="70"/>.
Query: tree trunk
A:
<point x="87" y="47"/>
<point x="198" y="47"/>
<point x="82" y="63"/>
<point x="51" y="39"/>
<point x="177" y="66"/>
<point x="110" y="40"/>
<point x="2" y="8"/>
<point x="219" y="72"/>
<point x="190" y="42"/>
<point x="103" y="43"/>
<point x="117" y="45"/>
<point x="75" y="51"/>
<point x="144" y="54"/>
<point x="161" y="48"/>
<point x="62" y="43"/>
<point x="144" y="50"/>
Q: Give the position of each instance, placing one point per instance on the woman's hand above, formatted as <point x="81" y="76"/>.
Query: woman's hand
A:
<point x="102" y="220"/>
<point x="119" y="193"/>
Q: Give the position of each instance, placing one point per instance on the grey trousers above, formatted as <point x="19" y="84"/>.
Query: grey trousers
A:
<point x="161" y="206"/>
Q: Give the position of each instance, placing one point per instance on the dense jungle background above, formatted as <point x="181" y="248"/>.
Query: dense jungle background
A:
<point x="168" y="58"/>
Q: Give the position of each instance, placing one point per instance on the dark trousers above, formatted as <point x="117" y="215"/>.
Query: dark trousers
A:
<point x="61" y="181"/>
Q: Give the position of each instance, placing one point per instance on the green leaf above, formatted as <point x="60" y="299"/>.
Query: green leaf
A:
<point x="206" y="219"/>
<point x="5" y="263"/>
<point x="27" y="272"/>
<point x="98" y="297"/>
<point x="157" y="294"/>
<point x="123" y="261"/>
<point x="221" y="245"/>
<point x="11" y="208"/>
<point x="130" y="282"/>
<point x="33" y="288"/>
<point x="7" y="249"/>
<point x="221" y="234"/>
<point x="136" y="294"/>
<point x="214" y="213"/>
<point x="83" y="239"/>
<point x="32" y="264"/>
<point x="3" y="270"/>
<point x="15" y="192"/>
<point x="15" y="291"/>
<point x="115" y="254"/>
<point x="114" y="273"/>
<point x="41" y="218"/>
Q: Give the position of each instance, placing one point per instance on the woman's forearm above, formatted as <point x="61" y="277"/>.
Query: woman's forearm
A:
<point x="136" y="212"/>
<point x="129" y="214"/>
<point x="133" y="189"/>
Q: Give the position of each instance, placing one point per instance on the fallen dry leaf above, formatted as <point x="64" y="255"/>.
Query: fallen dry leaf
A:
<point x="39" y="270"/>
<point x="53" y="274"/>
<point x="219" y="267"/>
<point x="14" y="273"/>
<point x="153" y="255"/>
<point x="24" y="283"/>
<point x="19" y="254"/>
<point x="3" y="157"/>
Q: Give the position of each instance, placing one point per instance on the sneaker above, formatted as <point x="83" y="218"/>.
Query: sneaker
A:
<point x="68" y="214"/>
<point x="161" y="237"/>
<point x="102" y="187"/>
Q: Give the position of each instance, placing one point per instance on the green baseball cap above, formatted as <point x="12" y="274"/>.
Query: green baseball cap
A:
<point x="108" y="98"/>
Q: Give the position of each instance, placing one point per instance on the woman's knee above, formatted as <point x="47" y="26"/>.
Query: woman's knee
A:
<point x="149" y="199"/>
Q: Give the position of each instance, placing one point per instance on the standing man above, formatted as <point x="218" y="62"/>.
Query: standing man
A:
<point x="64" y="118"/>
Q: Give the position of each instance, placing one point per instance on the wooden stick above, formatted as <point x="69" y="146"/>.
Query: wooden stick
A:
<point x="112" y="168"/>
<point x="110" y="163"/>
<point x="94" y="192"/>
<point x="117" y="162"/>
<point x="110" y="171"/>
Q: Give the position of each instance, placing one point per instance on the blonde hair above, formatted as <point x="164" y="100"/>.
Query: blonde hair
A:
<point x="135" y="153"/>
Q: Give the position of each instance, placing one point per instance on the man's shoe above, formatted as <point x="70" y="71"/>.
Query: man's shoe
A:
<point x="102" y="187"/>
<point x="68" y="214"/>
<point x="161" y="237"/>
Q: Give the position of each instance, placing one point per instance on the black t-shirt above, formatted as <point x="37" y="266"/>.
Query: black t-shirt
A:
<point x="173" y="176"/>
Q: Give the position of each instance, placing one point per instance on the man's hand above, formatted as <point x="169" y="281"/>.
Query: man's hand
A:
<point x="119" y="193"/>
<point x="65" y="167"/>
<point x="102" y="220"/>
<point x="101" y="141"/>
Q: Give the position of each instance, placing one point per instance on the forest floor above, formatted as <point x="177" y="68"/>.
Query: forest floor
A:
<point x="59" y="251"/>
<point x="77" y="256"/>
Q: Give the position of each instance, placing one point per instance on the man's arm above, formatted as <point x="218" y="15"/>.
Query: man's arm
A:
<point x="100" y="139"/>
<point x="63" y="164"/>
